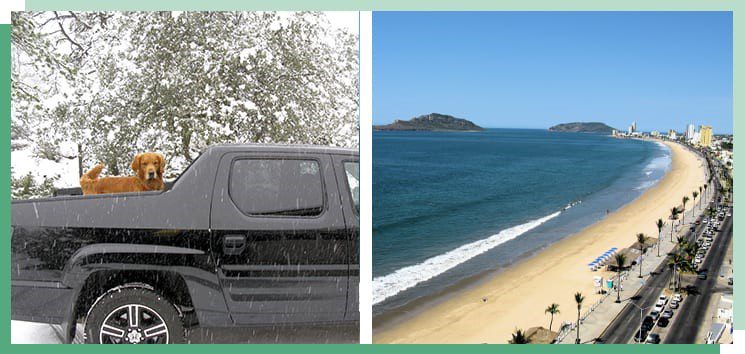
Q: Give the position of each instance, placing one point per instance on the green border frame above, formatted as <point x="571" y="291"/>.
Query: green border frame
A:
<point x="362" y="5"/>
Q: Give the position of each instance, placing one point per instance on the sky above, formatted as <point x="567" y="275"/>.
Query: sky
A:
<point x="663" y="70"/>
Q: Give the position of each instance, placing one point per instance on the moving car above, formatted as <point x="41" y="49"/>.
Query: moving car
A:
<point x="248" y="235"/>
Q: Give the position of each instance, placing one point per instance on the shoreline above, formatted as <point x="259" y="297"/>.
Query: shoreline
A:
<point x="457" y="314"/>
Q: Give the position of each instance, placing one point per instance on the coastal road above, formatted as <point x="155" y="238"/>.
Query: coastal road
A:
<point x="623" y="328"/>
<point x="625" y="325"/>
<point x="686" y="326"/>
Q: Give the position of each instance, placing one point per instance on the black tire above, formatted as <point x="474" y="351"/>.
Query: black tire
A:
<point x="156" y="320"/>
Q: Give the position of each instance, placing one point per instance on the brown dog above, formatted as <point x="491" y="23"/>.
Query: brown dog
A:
<point x="148" y="167"/>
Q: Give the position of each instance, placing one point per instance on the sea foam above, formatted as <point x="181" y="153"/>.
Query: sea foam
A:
<point x="408" y="277"/>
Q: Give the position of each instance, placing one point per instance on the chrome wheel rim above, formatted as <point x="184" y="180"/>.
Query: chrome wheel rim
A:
<point x="133" y="324"/>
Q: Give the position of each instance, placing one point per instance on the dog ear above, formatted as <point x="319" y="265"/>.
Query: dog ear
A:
<point x="161" y="165"/>
<point x="136" y="162"/>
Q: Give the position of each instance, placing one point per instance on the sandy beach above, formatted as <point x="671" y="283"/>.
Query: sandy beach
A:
<point x="518" y="296"/>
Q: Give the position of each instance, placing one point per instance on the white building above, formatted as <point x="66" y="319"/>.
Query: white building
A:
<point x="690" y="130"/>
<point x="724" y="311"/>
<point x="695" y="138"/>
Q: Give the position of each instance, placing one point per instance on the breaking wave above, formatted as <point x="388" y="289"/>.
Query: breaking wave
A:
<point x="408" y="277"/>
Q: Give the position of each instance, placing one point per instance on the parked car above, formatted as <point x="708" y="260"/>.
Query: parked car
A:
<point x="677" y="297"/>
<point x="663" y="322"/>
<point x="662" y="299"/>
<point x="654" y="314"/>
<point x="248" y="235"/>
<point x="653" y="338"/>
<point x="640" y="336"/>
<point x="702" y="274"/>
<point x="647" y="326"/>
<point x="674" y="304"/>
<point x="667" y="314"/>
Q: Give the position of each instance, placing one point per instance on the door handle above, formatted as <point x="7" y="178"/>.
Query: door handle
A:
<point x="233" y="245"/>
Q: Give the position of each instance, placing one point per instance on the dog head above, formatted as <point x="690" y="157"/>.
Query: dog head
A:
<point x="149" y="166"/>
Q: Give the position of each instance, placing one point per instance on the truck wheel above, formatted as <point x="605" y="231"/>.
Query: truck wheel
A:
<point x="133" y="316"/>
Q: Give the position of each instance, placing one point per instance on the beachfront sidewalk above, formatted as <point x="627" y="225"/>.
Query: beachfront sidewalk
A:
<point x="598" y="316"/>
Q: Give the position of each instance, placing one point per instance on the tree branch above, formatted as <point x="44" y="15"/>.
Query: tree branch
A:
<point x="62" y="28"/>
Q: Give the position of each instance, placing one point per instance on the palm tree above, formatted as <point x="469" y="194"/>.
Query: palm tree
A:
<point x="660" y="225"/>
<point x="578" y="298"/>
<point x="620" y="263"/>
<point x="722" y="190"/>
<point x="681" y="241"/>
<point x="552" y="309"/>
<point x="685" y="200"/>
<point x="673" y="215"/>
<point x="642" y="239"/>
<point x="695" y="194"/>
<point x="679" y="264"/>
<point x="690" y="249"/>
<point x="519" y="337"/>
<point x="701" y="190"/>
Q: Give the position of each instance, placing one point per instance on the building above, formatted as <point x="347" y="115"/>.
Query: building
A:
<point x="695" y="138"/>
<point x="705" y="135"/>
<point x="654" y="133"/>
<point x="724" y="311"/>
<point x="672" y="135"/>
<point x="690" y="130"/>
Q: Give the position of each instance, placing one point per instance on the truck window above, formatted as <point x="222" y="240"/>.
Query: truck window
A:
<point x="277" y="187"/>
<point x="352" y="170"/>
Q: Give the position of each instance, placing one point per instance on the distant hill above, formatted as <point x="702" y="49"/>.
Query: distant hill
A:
<point x="582" y="127"/>
<point x="432" y="122"/>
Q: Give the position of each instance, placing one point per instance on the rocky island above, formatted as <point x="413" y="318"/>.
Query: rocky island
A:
<point x="582" y="127"/>
<point x="432" y="122"/>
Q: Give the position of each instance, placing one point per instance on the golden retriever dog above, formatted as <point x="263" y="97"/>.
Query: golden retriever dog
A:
<point x="148" y="167"/>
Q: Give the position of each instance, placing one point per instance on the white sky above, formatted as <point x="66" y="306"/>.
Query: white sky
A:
<point x="348" y="20"/>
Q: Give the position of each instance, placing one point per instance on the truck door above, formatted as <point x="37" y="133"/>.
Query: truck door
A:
<point x="279" y="238"/>
<point x="348" y="175"/>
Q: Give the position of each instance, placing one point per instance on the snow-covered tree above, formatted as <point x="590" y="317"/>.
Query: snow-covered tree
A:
<point x="104" y="86"/>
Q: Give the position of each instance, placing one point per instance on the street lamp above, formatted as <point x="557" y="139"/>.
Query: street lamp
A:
<point x="641" y="318"/>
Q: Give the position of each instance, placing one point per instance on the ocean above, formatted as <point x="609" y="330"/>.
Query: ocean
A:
<point x="448" y="206"/>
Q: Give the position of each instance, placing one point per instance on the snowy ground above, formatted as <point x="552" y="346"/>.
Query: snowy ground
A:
<point x="22" y="332"/>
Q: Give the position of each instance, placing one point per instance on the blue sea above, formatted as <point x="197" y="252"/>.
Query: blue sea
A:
<point x="451" y="205"/>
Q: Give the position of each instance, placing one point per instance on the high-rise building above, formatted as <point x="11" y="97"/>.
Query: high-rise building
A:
<point x="690" y="129"/>
<point x="672" y="135"/>
<point x="705" y="135"/>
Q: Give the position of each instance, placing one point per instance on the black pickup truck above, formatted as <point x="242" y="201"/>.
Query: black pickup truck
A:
<point x="248" y="235"/>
